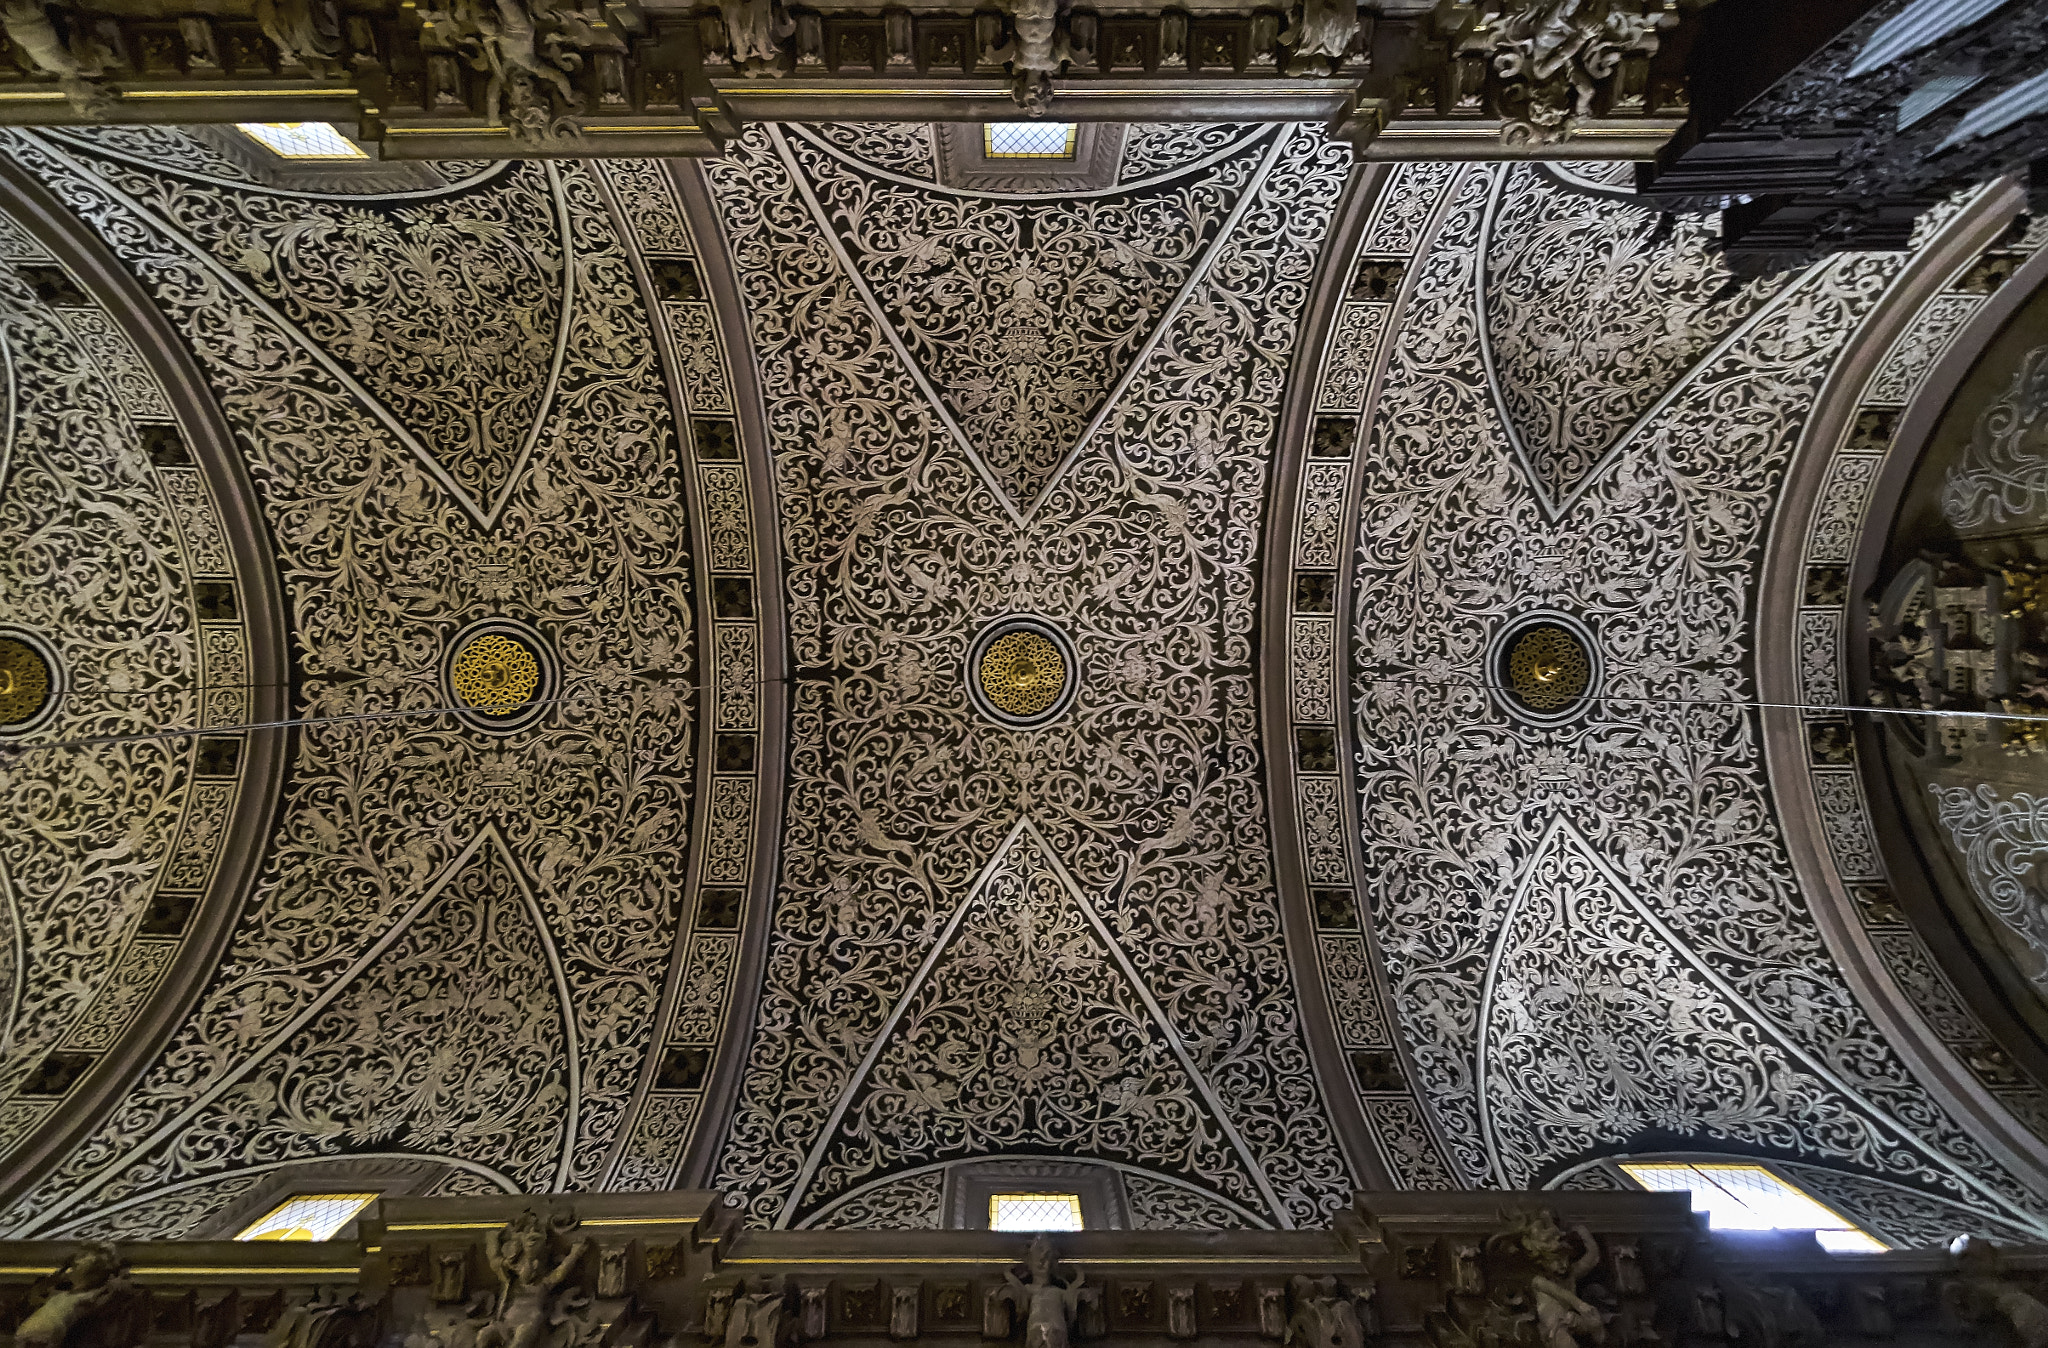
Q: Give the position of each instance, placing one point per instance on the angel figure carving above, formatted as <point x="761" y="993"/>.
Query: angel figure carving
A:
<point x="756" y="33"/>
<point x="1564" y="1319"/>
<point x="529" y="1302"/>
<point x="90" y="1285"/>
<point x="77" y="64"/>
<point x="1049" y="1307"/>
<point x="1319" y="34"/>
<point x="1038" y="49"/>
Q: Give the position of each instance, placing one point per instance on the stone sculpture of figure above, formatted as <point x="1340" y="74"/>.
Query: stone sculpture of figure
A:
<point x="1982" y="1295"/>
<point x="1562" y="1315"/>
<point x="1320" y="34"/>
<point x="756" y="34"/>
<point x="759" y="1319"/>
<point x="89" y="1285"/>
<point x="1323" y="1317"/>
<point x="528" y="1287"/>
<point x="77" y="64"/>
<point x="1049" y="1307"/>
<point x="302" y="32"/>
<point x="1038" y="51"/>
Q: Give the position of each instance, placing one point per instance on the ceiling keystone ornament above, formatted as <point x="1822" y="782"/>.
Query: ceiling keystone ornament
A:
<point x="1544" y="665"/>
<point x="29" y="681"/>
<point x="1022" y="671"/>
<point x="500" y="675"/>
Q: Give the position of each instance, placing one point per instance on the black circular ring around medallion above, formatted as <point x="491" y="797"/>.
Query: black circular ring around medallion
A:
<point x="1545" y="666"/>
<point x="499" y="675"/>
<point x="1021" y="671"/>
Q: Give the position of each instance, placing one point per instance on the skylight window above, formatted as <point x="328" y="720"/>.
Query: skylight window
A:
<point x="1030" y="140"/>
<point x="302" y="140"/>
<point x="1034" y="1212"/>
<point x="307" y="1217"/>
<point x="1751" y="1198"/>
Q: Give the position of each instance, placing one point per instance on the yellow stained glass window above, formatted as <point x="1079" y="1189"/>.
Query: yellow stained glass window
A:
<point x="1034" y="1212"/>
<point x="302" y="140"/>
<point x="1029" y="140"/>
<point x="1751" y="1198"/>
<point x="307" y="1217"/>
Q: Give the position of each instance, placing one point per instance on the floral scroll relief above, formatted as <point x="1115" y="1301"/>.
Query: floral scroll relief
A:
<point x="2002" y="475"/>
<point x="2003" y="841"/>
<point x="1145" y="552"/>
<point x="1023" y="316"/>
<point x="1025" y="1024"/>
<point x="1593" y="309"/>
<point x="1656" y="553"/>
<point x="380" y="562"/>
<point x="100" y="565"/>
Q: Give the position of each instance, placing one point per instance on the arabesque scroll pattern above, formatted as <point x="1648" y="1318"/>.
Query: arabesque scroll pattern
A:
<point x="107" y="549"/>
<point x="1660" y="792"/>
<point x="382" y="561"/>
<point x="1144" y="551"/>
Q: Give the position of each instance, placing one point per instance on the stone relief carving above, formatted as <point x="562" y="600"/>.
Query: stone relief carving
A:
<point x="1669" y="801"/>
<point x="1554" y="56"/>
<point x="897" y="553"/>
<point x="73" y="53"/>
<point x="92" y="1291"/>
<point x="1047" y="1308"/>
<point x="2002" y="477"/>
<point x="380" y="521"/>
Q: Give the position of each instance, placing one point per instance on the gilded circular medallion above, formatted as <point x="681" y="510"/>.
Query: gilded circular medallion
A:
<point x="24" y="681"/>
<point x="495" y="674"/>
<point x="1023" y="673"/>
<point x="1548" y="668"/>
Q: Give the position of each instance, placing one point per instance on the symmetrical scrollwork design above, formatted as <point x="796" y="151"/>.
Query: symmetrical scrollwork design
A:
<point x="100" y="593"/>
<point x="2002" y="477"/>
<point x="1468" y="820"/>
<point x="1023" y="317"/>
<point x="898" y="553"/>
<point x="402" y="840"/>
<point x="2003" y="841"/>
<point x="1592" y="310"/>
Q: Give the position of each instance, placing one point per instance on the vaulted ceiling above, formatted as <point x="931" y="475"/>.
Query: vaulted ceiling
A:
<point x="753" y="888"/>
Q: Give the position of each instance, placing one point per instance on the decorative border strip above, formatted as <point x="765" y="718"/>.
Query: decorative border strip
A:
<point x="1320" y="529"/>
<point x="1836" y="525"/>
<point x="737" y="728"/>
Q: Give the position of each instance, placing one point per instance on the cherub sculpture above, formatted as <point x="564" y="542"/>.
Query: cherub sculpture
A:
<point x="89" y="1284"/>
<point x="1038" y="51"/>
<point x="529" y="1305"/>
<point x="1049" y="1307"/>
<point x="1562" y="1315"/>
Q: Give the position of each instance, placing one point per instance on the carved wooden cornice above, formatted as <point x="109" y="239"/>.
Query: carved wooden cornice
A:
<point x="594" y="78"/>
<point x="585" y="1270"/>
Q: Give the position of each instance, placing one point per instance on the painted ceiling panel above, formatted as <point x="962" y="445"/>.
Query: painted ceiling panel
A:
<point x="459" y="939"/>
<point x="1148" y="793"/>
<point x="1594" y="933"/>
